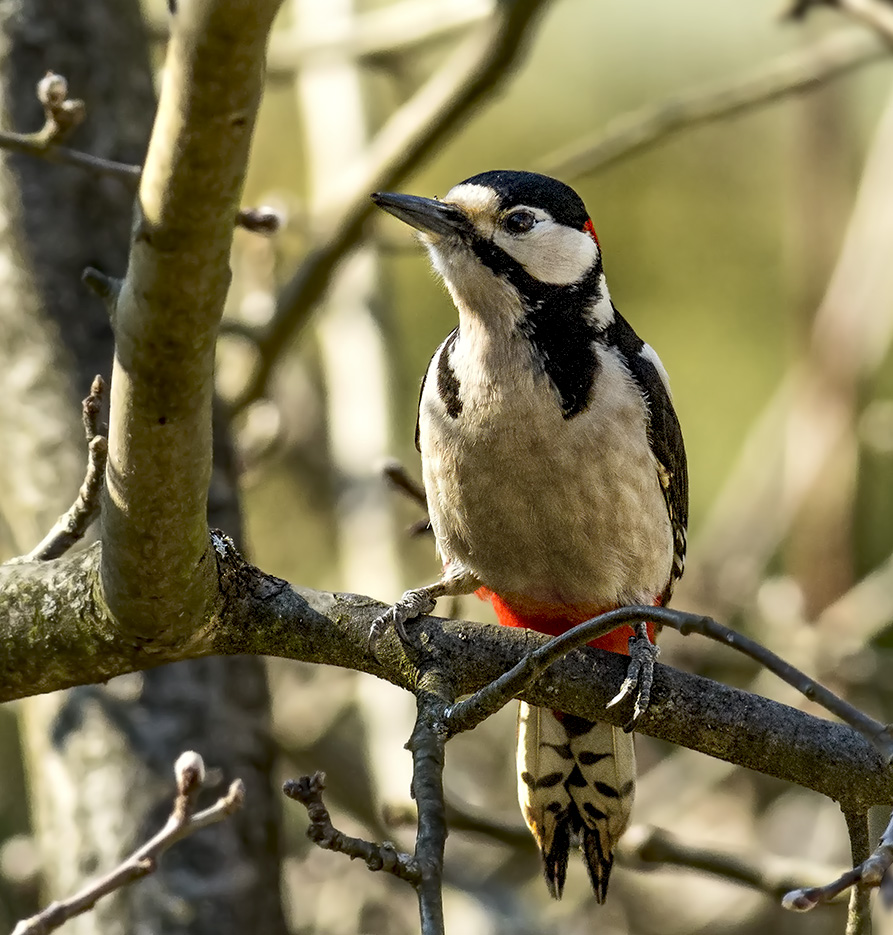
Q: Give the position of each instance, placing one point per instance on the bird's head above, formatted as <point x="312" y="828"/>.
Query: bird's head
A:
<point x="506" y="233"/>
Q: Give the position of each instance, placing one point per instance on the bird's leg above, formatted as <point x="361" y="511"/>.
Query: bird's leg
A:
<point x="639" y="675"/>
<point x="456" y="580"/>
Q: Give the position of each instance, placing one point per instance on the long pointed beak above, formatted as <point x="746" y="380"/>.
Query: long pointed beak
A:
<point x="424" y="214"/>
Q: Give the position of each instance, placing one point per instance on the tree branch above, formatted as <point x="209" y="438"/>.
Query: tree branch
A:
<point x="427" y="745"/>
<point x="155" y="570"/>
<point x="873" y="13"/>
<point x="63" y="116"/>
<point x="78" y="643"/>
<point x="652" y="848"/>
<point x="790" y="74"/>
<point x="308" y="791"/>
<point x="370" y="35"/>
<point x="473" y="70"/>
<point x="471" y="712"/>
<point x="424" y="870"/>
<point x="72" y="526"/>
<point x="183" y="821"/>
<point x="872" y="871"/>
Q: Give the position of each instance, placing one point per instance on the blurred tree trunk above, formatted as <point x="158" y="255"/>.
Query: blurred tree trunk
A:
<point x="100" y="757"/>
<point x="819" y="552"/>
<point x="356" y="369"/>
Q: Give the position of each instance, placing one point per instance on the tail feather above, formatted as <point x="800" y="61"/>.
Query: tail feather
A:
<point x="575" y="785"/>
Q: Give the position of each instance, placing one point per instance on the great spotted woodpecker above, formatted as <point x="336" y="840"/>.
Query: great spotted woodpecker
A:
<point x="554" y="470"/>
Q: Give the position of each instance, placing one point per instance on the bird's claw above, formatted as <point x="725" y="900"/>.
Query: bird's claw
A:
<point x="413" y="604"/>
<point x="639" y="675"/>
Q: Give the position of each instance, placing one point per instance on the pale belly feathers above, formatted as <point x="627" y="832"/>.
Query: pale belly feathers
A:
<point x="542" y="508"/>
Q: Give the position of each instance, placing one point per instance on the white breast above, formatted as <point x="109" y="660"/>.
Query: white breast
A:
<point x="540" y="507"/>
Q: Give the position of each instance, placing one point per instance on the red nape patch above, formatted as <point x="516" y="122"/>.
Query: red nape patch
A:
<point x="559" y="618"/>
<point x="591" y="231"/>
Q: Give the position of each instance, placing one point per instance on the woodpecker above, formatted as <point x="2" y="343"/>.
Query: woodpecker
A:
<point x="554" y="470"/>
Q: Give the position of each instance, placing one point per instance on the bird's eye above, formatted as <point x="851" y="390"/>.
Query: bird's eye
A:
<point x="519" y="222"/>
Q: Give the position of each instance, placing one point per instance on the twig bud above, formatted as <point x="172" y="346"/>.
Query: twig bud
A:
<point x="799" y="901"/>
<point x="52" y="89"/>
<point x="189" y="771"/>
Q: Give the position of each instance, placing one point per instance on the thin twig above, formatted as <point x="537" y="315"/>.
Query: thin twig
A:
<point x="859" y="910"/>
<point x="470" y="712"/>
<point x="400" y="479"/>
<point x="183" y="821"/>
<point x="872" y="13"/>
<point x="308" y="791"/>
<point x="427" y="744"/>
<point x="26" y="143"/>
<point x="63" y="115"/>
<point x="403" y="482"/>
<point x="792" y="73"/>
<point x="72" y="525"/>
<point x="650" y="848"/>
<point x="263" y="220"/>
<point x="868" y="873"/>
<point x="424" y="870"/>
<point x="91" y="408"/>
<point x="418" y="128"/>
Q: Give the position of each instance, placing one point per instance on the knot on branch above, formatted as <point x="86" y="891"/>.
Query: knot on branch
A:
<point x="238" y="577"/>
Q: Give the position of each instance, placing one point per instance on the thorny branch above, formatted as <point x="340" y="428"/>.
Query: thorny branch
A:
<point x="72" y="526"/>
<point x="183" y="821"/>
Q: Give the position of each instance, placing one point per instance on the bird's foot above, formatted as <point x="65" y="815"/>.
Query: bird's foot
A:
<point x="413" y="604"/>
<point x="639" y="675"/>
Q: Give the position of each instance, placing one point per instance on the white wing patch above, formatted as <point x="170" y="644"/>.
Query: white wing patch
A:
<point x="650" y="354"/>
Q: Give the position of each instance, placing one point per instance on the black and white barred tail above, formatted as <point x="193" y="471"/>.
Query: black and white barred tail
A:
<point x="576" y="780"/>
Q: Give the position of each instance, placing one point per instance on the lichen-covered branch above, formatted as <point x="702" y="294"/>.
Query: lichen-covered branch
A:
<point x="156" y="572"/>
<point x="56" y="634"/>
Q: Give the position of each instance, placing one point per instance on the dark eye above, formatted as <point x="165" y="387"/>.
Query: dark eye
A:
<point x="519" y="222"/>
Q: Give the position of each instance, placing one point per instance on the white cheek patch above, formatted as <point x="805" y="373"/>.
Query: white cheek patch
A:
<point x="550" y="252"/>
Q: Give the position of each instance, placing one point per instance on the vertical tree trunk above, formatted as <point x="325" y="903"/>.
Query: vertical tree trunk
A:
<point x="355" y="367"/>
<point x="100" y="757"/>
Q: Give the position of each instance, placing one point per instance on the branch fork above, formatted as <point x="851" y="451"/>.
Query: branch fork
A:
<point x="184" y="820"/>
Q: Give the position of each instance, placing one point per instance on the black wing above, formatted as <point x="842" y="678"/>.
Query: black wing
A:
<point x="664" y="436"/>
